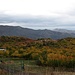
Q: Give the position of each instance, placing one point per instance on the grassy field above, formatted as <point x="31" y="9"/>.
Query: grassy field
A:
<point x="16" y="66"/>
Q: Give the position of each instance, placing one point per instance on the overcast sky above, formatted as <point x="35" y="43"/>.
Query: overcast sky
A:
<point x="38" y="14"/>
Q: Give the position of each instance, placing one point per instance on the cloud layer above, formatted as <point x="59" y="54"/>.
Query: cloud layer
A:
<point x="66" y="20"/>
<point x="38" y="14"/>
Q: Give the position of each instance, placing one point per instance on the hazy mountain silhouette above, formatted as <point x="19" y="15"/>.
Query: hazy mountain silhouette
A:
<point x="64" y="30"/>
<point x="30" y="33"/>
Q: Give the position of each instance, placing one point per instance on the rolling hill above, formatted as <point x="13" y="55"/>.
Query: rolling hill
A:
<point x="30" y="33"/>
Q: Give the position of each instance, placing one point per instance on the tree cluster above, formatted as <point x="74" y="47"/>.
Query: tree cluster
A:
<point x="46" y="52"/>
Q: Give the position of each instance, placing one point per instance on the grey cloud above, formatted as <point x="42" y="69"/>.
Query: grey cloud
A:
<point x="40" y="22"/>
<point x="26" y="19"/>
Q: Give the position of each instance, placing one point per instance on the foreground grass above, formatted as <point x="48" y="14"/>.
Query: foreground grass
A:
<point x="14" y="66"/>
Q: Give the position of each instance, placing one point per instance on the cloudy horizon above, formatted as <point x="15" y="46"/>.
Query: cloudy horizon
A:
<point x="38" y="14"/>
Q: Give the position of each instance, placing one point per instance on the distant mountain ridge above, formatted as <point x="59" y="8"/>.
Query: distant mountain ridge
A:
<point x="30" y="33"/>
<point x="64" y="30"/>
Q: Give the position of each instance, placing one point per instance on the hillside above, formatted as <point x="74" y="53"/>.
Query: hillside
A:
<point x="30" y="33"/>
<point x="47" y="52"/>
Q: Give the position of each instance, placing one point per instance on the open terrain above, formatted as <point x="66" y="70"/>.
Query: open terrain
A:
<point x="43" y="56"/>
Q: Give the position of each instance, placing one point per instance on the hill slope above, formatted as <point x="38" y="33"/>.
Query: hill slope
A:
<point x="47" y="52"/>
<point x="30" y="33"/>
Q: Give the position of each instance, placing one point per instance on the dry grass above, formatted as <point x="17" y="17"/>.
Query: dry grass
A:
<point x="60" y="73"/>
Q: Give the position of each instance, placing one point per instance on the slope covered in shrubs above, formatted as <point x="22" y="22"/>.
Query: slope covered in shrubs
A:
<point x="46" y="51"/>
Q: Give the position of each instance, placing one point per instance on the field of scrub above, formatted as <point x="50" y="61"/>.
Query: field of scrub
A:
<point x="15" y="66"/>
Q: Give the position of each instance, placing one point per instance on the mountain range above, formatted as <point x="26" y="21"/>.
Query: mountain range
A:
<point x="34" y="34"/>
<point x="64" y="30"/>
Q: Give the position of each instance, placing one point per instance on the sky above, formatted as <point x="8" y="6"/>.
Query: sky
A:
<point x="38" y="14"/>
